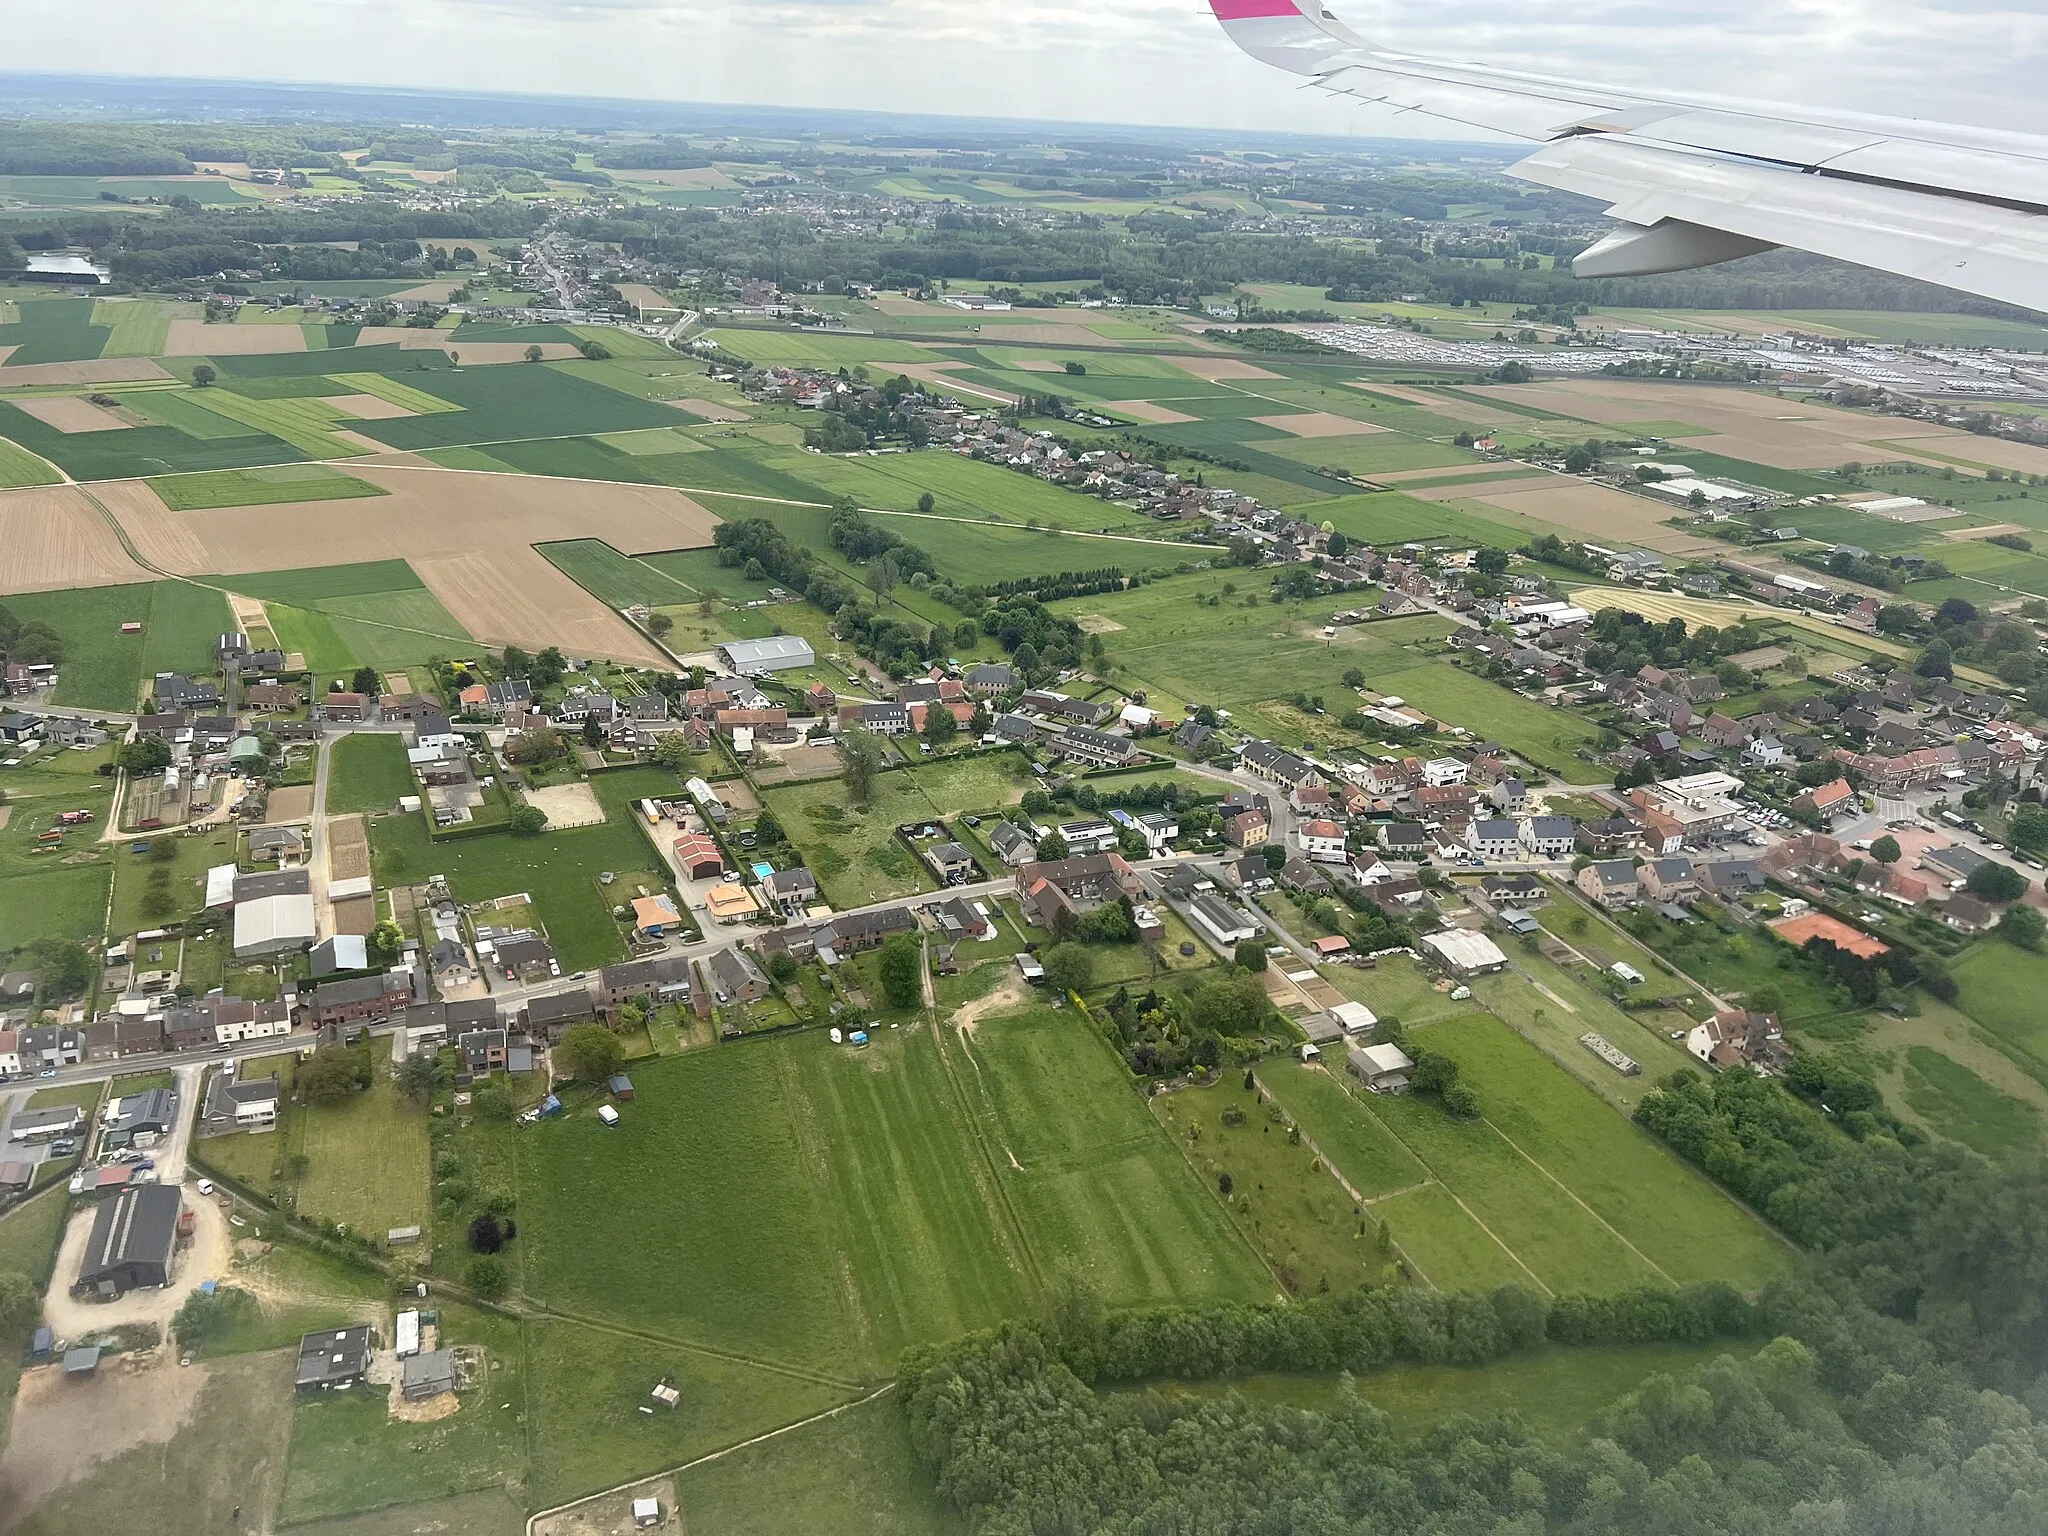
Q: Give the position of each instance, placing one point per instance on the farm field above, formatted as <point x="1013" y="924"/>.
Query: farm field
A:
<point x="367" y="771"/>
<point x="102" y="668"/>
<point x="854" y="849"/>
<point x="377" y="613"/>
<point x="281" y="483"/>
<point x="150" y="892"/>
<point x="2001" y="990"/>
<point x="366" y="1159"/>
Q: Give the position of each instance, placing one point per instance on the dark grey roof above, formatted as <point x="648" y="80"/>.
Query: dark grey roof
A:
<point x="138" y="1227"/>
<point x="333" y="1355"/>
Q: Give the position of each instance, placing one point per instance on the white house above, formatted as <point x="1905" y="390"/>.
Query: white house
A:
<point x="1495" y="837"/>
<point x="1439" y="771"/>
<point x="1549" y="837"/>
<point x="1321" y="842"/>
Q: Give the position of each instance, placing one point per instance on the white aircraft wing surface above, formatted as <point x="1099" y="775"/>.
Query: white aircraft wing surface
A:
<point x="1696" y="179"/>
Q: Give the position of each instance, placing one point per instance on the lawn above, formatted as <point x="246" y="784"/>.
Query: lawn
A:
<point x="1963" y="1107"/>
<point x="366" y="1158"/>
<point x="102" y="668"/>
<point x="54" y="902"/>
<point x="854" y="850"/>
<point x="1547" y="737"/>
<point x="29" y="1235"/>
<point x="150" y="892"/>
<point x="367" y="771"/>
<point x="614" y="579"/>
<point x="1281" y="1196"/>
<point x="349" y="1455"/>
<point x="2002" y="988"/>
<point x="859" y="1460"/>
<point x="559" y="870"/>
<point x="1092" y="1178"/>
<point x="1674" y="1217"/>
<point x="587" y="1389"/>
<point x="154" y="450"/>
<point x="260" y="487"/>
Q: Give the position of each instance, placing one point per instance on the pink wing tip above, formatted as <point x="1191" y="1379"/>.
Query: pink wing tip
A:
<point x="1249" y="10"/>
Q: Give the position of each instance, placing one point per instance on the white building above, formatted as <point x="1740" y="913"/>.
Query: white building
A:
<point x="1465" y="953"/>
<point x="1321" y="842"/>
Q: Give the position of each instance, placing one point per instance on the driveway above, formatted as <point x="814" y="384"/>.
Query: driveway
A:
<point x="206" y="1258"/>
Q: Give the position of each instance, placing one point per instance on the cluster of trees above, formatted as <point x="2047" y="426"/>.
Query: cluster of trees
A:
<point x="1435" y="1075"/>
<point x="28" y="640"/>
<point x="1627" y="642"/>
<point x="1049" y="589"/>
<point x="1165" y="1033"/>
<point x="860" y="539"/>
<point x="2004" y="645"/>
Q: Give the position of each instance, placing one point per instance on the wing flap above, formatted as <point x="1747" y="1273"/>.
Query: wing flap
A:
<point x="1998" y="253"/>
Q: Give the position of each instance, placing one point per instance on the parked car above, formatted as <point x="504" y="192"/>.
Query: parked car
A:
<point x="64" y="1146"/>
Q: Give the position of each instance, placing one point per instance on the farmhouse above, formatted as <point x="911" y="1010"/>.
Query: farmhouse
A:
<point x="335" y="1357"/>
<point x="133" y="1237"/>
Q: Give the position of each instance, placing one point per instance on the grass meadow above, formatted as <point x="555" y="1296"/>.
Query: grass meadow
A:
<point x="260" y="487"/>
<point x="854" y="849"/>
<point x="367" y="771"/>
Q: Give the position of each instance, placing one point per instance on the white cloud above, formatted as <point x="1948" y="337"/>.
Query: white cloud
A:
<point x="1143" y="61"/>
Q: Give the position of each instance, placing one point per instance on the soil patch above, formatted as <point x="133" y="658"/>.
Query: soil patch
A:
<point x="1145" y="410"/>
<point x="55" y="538"/>
<point x="429" y="293"/>
<point x="1009" y="993"/>
<point x="94" y="370"/>
<point x="367" y="407"/>
<point x="568" y="805"/>
<point x="1039" y="334"/>
<point x="934" y="373"/>
<point x="710" y="410"/>
<point x="1215" y="370"/>
<point x="1039" y="365"/>
<point x="1595" y="509"/>
<point x="1097" y="624"/>
<point x="611" y="1514"/>
<point x="71" y="413"/>
<point x="293" y="802"/>
<point x="195" y="338"/>
<point x="644" y="297"/>
<point x="1991" y="531"/>
<point x="61" y="1428"/>
<point x="695" y="178"/>
<point x="1317" y="424"/>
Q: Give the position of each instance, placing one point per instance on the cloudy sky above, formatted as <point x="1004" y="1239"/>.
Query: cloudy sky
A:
<point x="1135" y="61"/>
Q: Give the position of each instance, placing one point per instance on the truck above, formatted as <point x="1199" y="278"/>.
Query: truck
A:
<point x="73" y="818"/>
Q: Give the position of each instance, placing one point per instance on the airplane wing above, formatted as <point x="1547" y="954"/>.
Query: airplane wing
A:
<point x="1696" y="180"/>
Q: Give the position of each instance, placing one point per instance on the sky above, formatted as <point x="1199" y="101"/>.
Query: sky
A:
<point x="1131" y="61"/>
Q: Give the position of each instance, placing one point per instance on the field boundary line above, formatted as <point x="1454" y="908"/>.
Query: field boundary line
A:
<point x="1330" y="1167"/>
<point x="1438" y="1179"/>
<point x="992" y="1171"/>
<point x="1574" y="1194"/>
<point x="682" y="1467"/>
<point x="541" y="1310"/>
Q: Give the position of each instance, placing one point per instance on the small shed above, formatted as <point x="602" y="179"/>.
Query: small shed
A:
<point x="646" y="1512"/>
<point x="399" y="1236"/>
<point x="83" y="1361"/>
<point x="42" y="1346"/>
<point x="607" y="1115"/>
<point x="621" y="1087"/>
<point x="550" y="1107"/>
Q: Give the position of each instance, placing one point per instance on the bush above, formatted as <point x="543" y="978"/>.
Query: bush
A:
<point x="485" y="1235"/>
<point x="487" y="1275"/>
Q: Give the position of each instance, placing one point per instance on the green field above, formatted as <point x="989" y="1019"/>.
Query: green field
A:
<point x="616" y="580"/>
<point x="151" y="894"/>
<point x="559" y="869"/>
<point x="854" y="850"/>
<point x="139" y="327"/>
<point x="53" y="331"/>
<point x="502" y="404"/>
<point x="367" y="771"/>
<point x="1548" y="737"/>
<point x="2002" y="989"/>
<point x="19" y="467"/>
<point x="366" y="1159"/>
<point x="57" y="902"/>
<point x="29" y="1235"/>
<point x="102" y="668"/>
<point x="377" y="614"/>
<point x="261" y="487"/>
